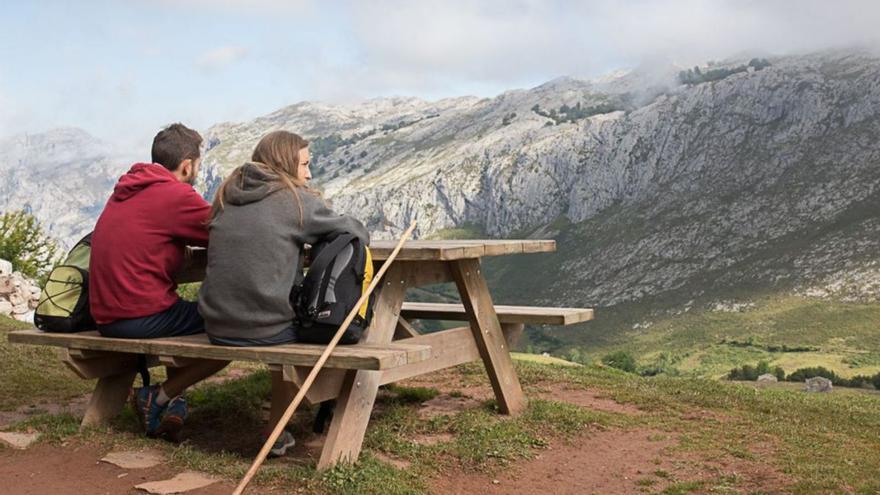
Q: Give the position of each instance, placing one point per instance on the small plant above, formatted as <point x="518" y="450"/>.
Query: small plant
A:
<point x="621" y="360"/>
<point x="751" y="373"/>
<point x="25" y="245"/>
<point x="413" y="394"/>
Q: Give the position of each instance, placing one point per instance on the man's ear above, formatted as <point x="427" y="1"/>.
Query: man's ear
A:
<point x="186" y="168"/>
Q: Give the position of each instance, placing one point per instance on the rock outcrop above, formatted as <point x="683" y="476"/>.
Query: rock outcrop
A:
<point x="18" y="294"/>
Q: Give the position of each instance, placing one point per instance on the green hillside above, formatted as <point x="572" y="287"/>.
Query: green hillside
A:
<point x="786" y="331"/>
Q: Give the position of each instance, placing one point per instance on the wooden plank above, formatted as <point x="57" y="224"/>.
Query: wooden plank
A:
<point x="512" y="333"/>
<point x="88" y="353"/>
<point x="100" y="366"/>
<point x="326" y="386"/>
<point x="178" y="361"/>
<point x="419" y="273"/>
<point x="358" y="392"/>
<point x="359" y="356"/>
<point x="108" y="398"/>
<point x="530" y="315"/>
<point x="488" y="336"/>
<point x="404" y="330"/>
<point x="448" y="348"/>
<point x="460" y="249"/>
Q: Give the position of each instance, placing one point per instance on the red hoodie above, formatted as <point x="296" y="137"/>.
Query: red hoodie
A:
<point x="139" y="240"/>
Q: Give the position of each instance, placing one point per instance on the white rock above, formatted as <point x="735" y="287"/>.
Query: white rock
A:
<point x="18" y="440"/>
<point x="5" y="267"/>
<point x="17" y="300"/>
<point x="5" y="308"/>
<point x="27" y="317"/>
<point x="818" y="384"/>
<point x="183" y="482"/>
<point x="134" y="460"/>
<point x="6" y="285"/>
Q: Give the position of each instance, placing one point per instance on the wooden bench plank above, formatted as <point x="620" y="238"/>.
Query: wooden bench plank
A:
<point x="360" y="356"/>
<point x="532" y="315"/>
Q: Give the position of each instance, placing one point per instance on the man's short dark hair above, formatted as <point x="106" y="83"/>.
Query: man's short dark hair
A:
<point x="175" y="144"/>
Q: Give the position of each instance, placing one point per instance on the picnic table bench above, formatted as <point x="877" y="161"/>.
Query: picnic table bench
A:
<point x="392" y="349"/>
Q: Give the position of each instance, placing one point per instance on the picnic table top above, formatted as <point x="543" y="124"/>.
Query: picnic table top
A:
<point x="459" y="249"/>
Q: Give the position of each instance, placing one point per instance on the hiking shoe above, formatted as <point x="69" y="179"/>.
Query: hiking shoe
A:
<point x="149" y="414"/>
<point x="279" y="448"/>
<point x="172" y="420"/>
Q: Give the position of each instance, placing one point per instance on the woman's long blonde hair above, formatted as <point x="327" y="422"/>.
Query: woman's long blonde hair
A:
<point x="278" y="153"/>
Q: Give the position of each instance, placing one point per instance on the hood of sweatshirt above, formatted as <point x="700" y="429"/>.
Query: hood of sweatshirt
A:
<point x="140" y="177"/>
<point x="253" y="183"/>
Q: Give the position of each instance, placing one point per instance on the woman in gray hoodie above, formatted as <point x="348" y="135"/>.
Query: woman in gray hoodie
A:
<point x="263" y="214"/>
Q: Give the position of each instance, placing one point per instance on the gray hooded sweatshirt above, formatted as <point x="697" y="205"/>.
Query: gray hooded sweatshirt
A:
<point x="254" y="254"/>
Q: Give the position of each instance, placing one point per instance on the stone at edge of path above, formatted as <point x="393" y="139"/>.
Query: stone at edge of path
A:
<point x="19" y="441"/>
<point x="134" y="460"/>
<point x="183" y="482"/>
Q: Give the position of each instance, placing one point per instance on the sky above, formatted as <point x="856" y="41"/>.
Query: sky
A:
<point x="123" y="69"/>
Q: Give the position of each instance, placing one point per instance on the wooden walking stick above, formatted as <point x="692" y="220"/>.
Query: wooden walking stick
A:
<point x="314" y="373"/>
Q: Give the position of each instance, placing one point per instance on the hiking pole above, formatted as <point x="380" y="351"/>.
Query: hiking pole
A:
<point x="314" y="373"/>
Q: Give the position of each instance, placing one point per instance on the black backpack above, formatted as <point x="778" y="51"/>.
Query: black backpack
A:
<point x="64" y="300"/>
<point x="341" y="271"/>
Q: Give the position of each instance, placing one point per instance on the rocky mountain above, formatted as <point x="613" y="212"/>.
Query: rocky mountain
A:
<point x="663" y="189"/>
<point x="755" y="174"/>
<point x="63" y="176"/>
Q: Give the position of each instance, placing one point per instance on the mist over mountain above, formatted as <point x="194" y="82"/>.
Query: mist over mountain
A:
<point x="742" y="175"/>
<point x="63" y="176"/>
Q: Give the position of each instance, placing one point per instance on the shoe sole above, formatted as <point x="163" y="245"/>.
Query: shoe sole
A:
<point x="283" y="450"/>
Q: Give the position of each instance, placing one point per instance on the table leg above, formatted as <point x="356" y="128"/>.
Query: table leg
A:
<point x="487" y="333"/>
<point x="108" y="398"/>
<point x="359" y="389"/>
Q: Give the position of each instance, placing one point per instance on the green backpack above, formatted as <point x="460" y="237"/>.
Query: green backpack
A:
<point x="64" y="301"/>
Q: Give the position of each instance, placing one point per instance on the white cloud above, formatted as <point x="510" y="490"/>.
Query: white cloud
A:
<point x="250" y="6"/>
<point x="418" y="47"/>
<point x="219" y="58"/>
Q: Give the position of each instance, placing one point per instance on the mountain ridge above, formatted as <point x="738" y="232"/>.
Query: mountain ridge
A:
<point x="762" y="176"/>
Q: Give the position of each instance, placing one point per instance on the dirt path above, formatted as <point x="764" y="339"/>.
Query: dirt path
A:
<point x="47" y="469"/>
<point x="609" y="463"/>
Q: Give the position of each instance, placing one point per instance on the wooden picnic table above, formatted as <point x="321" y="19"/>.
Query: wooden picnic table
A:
<point x="392" y="350"/>
<point x="421" y="263"/>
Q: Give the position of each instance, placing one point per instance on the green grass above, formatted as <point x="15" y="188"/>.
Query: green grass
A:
<point x="820" y="442"/>
<point x="841" y="336"/>
<point x="538" y="358"/>
<point x="29" y="374"/>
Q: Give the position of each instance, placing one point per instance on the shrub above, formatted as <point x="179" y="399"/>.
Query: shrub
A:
<point x="751" y="373"/>
<point x="621" y="360"/>
<point x="804" y="373"/>
<point x="25" y="245"/>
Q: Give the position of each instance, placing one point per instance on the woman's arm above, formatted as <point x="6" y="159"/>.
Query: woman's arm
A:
<point x="321" y="221"/>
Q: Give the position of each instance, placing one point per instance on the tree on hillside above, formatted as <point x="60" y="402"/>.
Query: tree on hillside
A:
<point x="25" y="245"/>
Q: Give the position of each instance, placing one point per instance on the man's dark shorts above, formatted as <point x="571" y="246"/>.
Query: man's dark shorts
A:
<point x="182" y="318"/>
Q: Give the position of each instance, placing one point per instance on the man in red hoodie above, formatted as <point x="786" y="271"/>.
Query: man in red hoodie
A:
<point x="137" y="247"/>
